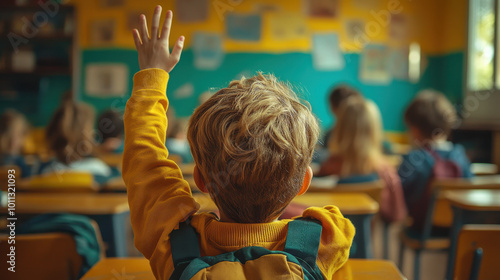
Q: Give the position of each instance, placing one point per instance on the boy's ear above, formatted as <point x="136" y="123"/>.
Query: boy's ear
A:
<point x="307" y="181"/>
<point x="199" y="180"/>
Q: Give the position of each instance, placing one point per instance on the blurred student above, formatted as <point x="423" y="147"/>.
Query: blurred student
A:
<point x="13" y="133"/>
<point x="430" y="118"/>
<point x="110" y="131"/>
<point x="70" y="139"/>
<point x="249" y="158"/>
<point x="356" y="155"/>
<point x="176" y="142"/>
<point x="337" y="96"/>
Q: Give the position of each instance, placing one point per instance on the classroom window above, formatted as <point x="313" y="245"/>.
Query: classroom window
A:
<point x="482" y="46"/>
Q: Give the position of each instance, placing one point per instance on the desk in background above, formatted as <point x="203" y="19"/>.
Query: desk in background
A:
<point x="470" y="207"/>
<point x="357" y="207"/>
<point x="139" y="269"/>
<point x="110" y="211"/>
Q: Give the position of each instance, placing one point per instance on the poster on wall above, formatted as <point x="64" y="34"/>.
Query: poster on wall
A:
<point x="354" y="28"/>
<point x="243" y="27"/>
<point x="398" y="27"/>
<point x="374" y="68"/>
<point x="191" y="10"/>
<point x="102" y="32"/>
<point x="399" y="63"/>
<point x="106" y="79"/>
<point x="322" y="8"/>
<point x="288" y="26"/>
<point x="134" y="20"/>
<point x="326" y="53"/>
<point x="207" y="49"/>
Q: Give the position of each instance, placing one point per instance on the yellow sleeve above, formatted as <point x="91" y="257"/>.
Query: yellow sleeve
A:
<point x="158" y="196"/>
<point x="336" y="238"/>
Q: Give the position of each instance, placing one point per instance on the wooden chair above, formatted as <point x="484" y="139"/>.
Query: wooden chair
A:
<point x="42" y="256"/>
<point x="67" y="181"/>
<point x="4" y="176"/>
<point x="45" y="255"/>
<point x="478" y="252"/>
<point x="439" y="214"/>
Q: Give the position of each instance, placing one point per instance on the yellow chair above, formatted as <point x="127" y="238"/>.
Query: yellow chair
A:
<point x="67" y="181"/>
<point x="478" y="253"/>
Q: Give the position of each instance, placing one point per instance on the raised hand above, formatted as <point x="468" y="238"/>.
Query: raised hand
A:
<point x="154" y="51"/>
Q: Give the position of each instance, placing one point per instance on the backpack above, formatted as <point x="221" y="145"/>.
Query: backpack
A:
<point x="443" y="168"/>
<point x="296" y="261"/>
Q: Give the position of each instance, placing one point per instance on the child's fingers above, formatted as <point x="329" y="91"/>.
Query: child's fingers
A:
<point x="165" y="33"/>
<point x="155" y="23"/>
<point x="176" y="52"/>
<point x="137" y="38"/>
<point x="144" y="30"/>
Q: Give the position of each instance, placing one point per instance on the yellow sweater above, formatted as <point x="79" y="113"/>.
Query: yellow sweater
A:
<point x="160" y="198"/>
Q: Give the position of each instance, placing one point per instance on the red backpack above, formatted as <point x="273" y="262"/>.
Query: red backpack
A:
<point x="443" y="168"/>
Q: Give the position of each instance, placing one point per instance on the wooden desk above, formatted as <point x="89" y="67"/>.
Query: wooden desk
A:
<point x="110" y="211"/>
<point x="470" y="207"/>
<point x="118" y="185"/>
<point x="357" y="207"/>
<point x="348" y="203"/>
<point x="187" y="169"/>
<point x="139" y="269"/>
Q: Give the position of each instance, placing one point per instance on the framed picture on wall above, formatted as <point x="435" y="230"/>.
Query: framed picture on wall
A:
<point x="322" y="8"/>
<point x="102" y="32"/>
<point x="106" y="79"/>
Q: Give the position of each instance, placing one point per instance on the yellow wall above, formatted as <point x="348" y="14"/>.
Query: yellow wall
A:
<point x="439" y="26"/>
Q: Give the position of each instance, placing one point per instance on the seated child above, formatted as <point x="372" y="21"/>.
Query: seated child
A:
<point x="337" y="96"/>
<point x="70" y="137"/>
<point x="356" y="155"/>
<point x="177" y="143"/>
<point x="430" y="118"/>
<point x="252" y="143"/>
<point x="110" y="132"/>
<point x="13" y="132"/>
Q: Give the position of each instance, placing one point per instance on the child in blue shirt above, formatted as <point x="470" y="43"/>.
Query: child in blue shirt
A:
<point x="430" y="118"/>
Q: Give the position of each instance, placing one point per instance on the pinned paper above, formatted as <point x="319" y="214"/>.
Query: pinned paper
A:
<point x="354" y="28"/>
<point x="375" y="65"/>
<point x="326" y="52"/>
<point x="399" y="64"/>
<point x="322" y="8"/>
<point x="184" y="91"/>
<point x="106" y="79"/>
<point x="288" y="26"/>
<point x="191" y="10"/>
<point x="398" y="28"/>
<point x="207" y="48"/>
<point x="243" y="27"/>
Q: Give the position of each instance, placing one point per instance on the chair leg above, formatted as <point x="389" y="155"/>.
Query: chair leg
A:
<point x="416" y="265"/>
<point x="476" y="264"/>
<point x="385" y="233"/>
<point x="401" y="255"/>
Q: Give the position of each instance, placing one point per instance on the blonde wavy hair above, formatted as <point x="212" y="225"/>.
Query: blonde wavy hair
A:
<point x="252" y="143"/>
<point x="357" y="137"/>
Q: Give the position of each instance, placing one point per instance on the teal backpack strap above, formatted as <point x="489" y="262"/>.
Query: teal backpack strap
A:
<point x="302" y="240"/>
<point x="184" y="244"/>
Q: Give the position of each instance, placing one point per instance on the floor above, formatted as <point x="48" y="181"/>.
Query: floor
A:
<point x="432" y="264"/>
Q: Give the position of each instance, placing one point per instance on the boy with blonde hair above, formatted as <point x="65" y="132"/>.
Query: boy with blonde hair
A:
<point x="252" y="143"/>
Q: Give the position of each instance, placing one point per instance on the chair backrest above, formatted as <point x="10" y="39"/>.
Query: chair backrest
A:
<point x="68" y="181"/>
<point x="442" y="206"/>
<point x="4" y="175"/>
<point x="41" y="256"/>
<point x="472" y="237"/>
<point x="483" y="169"/>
